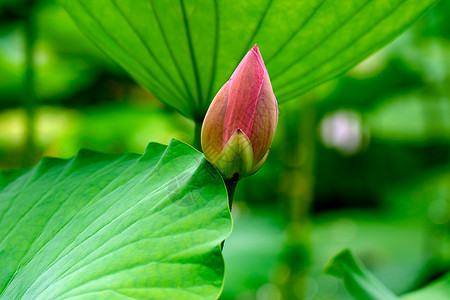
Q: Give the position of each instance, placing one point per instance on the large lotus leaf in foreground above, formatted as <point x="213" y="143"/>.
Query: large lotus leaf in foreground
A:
<point x="114" y="226"/>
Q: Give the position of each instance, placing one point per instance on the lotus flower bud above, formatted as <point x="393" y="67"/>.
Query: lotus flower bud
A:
<point x="240" y="123"/>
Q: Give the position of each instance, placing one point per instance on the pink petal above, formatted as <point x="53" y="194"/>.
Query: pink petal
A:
<point x="245" y="86"/>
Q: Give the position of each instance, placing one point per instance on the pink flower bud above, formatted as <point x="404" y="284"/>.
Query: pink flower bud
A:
<point x="241" y="121"/>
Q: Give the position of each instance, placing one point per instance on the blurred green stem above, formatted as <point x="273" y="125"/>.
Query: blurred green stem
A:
<point x="198" y="135"/>
<point x="29" y="94"/>
<point x="231" y="188"/>
<point x="296" y="188"/>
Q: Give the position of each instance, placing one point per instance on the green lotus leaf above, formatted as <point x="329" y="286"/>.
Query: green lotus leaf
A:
<point x="114" y="227"/>
<point x="363" y="285"/>
<point x="184" y="51"/>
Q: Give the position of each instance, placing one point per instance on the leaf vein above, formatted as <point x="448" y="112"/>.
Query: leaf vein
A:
<point x="149" y="50"/>
<point x="192" y="55"/>
<point x="169" y="49"/>
<point x="345" y="47"/>
<point x="296" y="31"/>
<point x="331" y="33"/>
<point x="214" y="57"/>
<point x="257" y="28"/>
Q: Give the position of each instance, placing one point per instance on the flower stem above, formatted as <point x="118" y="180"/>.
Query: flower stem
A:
<point x="231" y="188"/>
<point x="300" y="174"/>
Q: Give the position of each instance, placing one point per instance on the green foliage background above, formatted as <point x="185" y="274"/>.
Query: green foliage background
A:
<point x="360" y="162"/>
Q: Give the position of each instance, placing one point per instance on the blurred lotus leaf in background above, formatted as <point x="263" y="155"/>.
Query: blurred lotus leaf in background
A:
<point x="184" y="51"/>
